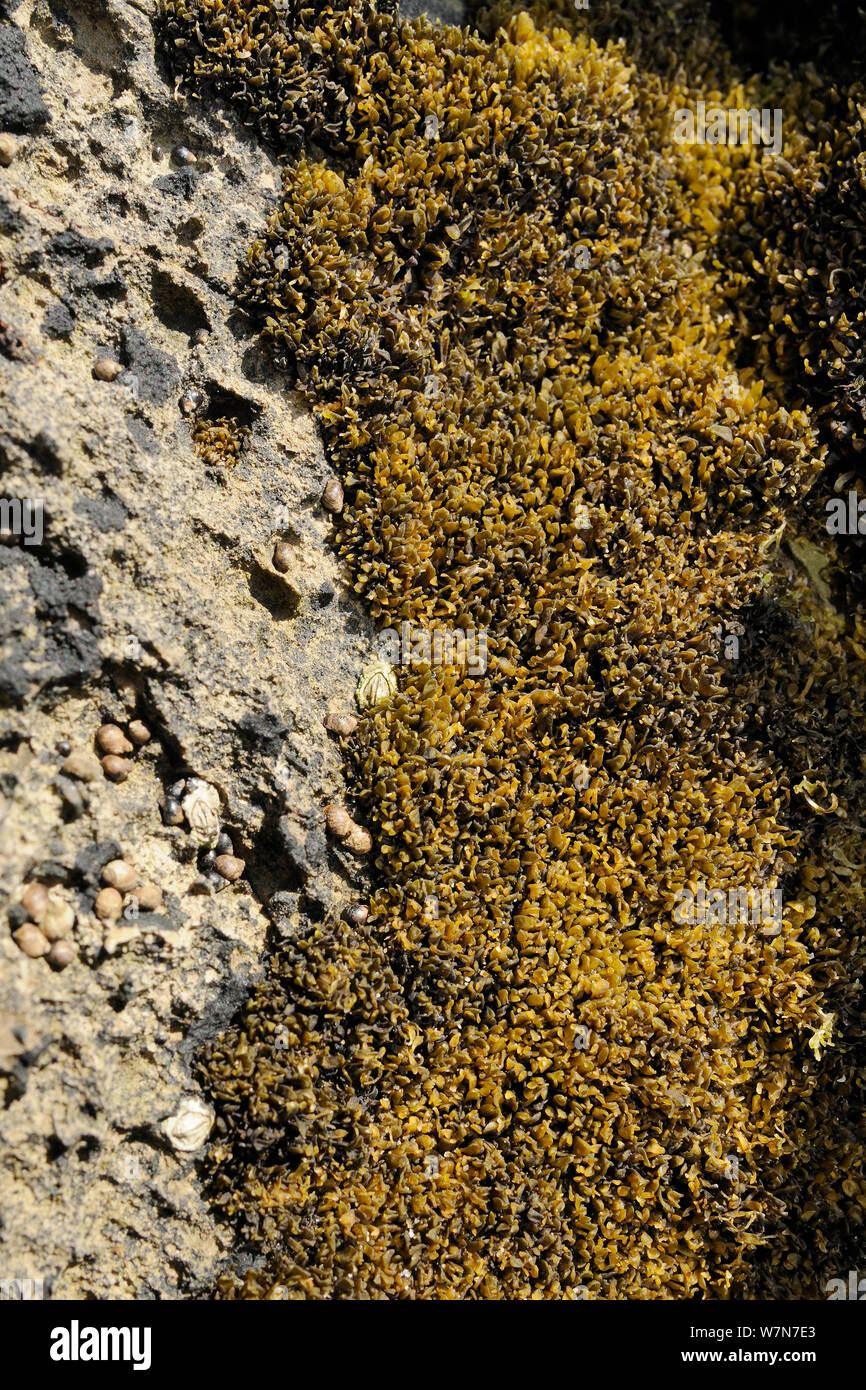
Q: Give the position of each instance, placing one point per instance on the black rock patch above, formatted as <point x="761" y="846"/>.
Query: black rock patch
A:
<point x="107" y="512"/>
<point x="49" y="628"/>
<point x="181" y="184"/>
<point x="22" y="109"/>
<point x="264" y="731"/>
<point x="157" y="373"/>
<point x="142" y="434"/>
<point x="84" y="250"/>
<point x="59" y="321"/>
<point x="11" y="221"/>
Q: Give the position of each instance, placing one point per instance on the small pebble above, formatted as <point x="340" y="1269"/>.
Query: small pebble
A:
<point x="139" y="733"/>
<point x="119" y="874"/>
<point x="171" y="811"/>
<point x="63" y="747"/>
<point x="200" y="337"/>
<point x="62" y="953"/>
<point x="83" y="766"/>
<point x="35" y="901"/>
<point x="59" y="920"/>
<point x="283" y="556"/>
<point x="229" y="866"/>
<point x="332" y="497"/>
<point x="106" y="369"/>
<point x="149" y="897"/>
<point x="111" y="739"/>
<point x="8" y="149"/>
<point x="224" y="844"/>
<point x="31" y="940"/>
<point x="342" y="724"/>
<point x="108" y="905"/>
<point x="357" y="914"/>
<point x="338" y="821"/>
<point x="118" y="769"/>
<point x="177" y="789"/>
<point x="181" y="155"/>
<point x="359" y="840"/>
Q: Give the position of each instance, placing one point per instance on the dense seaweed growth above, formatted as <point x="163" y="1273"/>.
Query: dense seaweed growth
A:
<point x="561" y="364"/>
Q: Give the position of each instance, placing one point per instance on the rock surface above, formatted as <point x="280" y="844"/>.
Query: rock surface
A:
<point x="151" y="594"/>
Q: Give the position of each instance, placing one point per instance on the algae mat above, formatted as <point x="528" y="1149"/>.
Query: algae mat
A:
<point x="587" y="385"/>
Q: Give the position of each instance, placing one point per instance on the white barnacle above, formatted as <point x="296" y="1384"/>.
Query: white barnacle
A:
<point x="201" y="807"/>
<point x="377" y="686"/>
<point x="188" y="1128"/>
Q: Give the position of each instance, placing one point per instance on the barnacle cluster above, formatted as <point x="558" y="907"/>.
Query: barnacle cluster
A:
<point x="580" y="388"/>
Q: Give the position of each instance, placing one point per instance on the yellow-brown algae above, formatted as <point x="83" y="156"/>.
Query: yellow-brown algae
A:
<point x="563" y="361"/>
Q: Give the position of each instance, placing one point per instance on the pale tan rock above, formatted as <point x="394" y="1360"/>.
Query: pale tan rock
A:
<point x="83" y="766"/>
